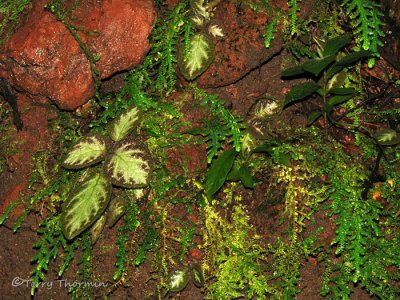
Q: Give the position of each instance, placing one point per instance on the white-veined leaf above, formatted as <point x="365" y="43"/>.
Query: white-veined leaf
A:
<point x="178" y="280"/>
<point x="87" y="151"/>
<point x="387" y="137"/>
<point x="200" y="56"/>
<point x="124" y="123"/>
<point x="128" y="165"/>
<point x="97" y="228"/>
<point x="84" y="205"/>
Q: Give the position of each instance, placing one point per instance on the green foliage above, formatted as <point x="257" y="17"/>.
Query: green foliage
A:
<point x="234" y="252"/>
<point x="366" y="21"/>
<point x="10" y="11"/>
<point x="327" y="71"/>
<point x="158" y="69"/>
<point x="48" y="246"/>
<point x="126" y="165"/>
<point x="128" y="228"/>
<point x="222" y="127"/>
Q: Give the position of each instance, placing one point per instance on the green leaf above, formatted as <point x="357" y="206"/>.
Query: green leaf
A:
<point x="200" y="56"/>
<point x="336" y="81"/>
<point x="198" y="277"/>
<point x="301" y="91"/>
<point x="343" y="91"/>
<point x="313" y="117"/>
<point x="178" y="280"/>
<point x="87" y="151"/>
<point x="317" y="65"/>
<point x="97" y="228"/>
<point x="218" y="171"/>
<point x="128" y="166"/>
<point x="297" y="70"/>
<point x="333" y="45"/>
<point x="117" y="209"/>
<point x="85" y="205"/>
<point x="336" y="100"/>
<point x="124" y="123"/>
<point x="347" y="61"/>
<point x="387" y="137"/>
<point x="246" y="178"/>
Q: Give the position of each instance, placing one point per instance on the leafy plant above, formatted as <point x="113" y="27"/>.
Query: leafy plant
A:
<point x="366" y="21"/>
<point x="126" y="164"/>
<point x="328" y="75"/>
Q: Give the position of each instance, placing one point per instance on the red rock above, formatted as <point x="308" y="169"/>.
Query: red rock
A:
<point x="124" y="27"/>
<point x="43" y="59"/>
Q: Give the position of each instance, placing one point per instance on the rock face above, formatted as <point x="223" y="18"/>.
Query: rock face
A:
<point x="44" y="60"/>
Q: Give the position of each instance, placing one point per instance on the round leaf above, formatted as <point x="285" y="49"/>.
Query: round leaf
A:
<point x="128" y="165"/>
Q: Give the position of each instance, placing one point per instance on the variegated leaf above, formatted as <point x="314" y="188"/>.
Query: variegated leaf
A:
<point x="128" y="165"/>
<point x="87" y="151"/>
<point x="116" y="209"/>
<point x="124" y="123"/>
<point x="84" y="205"/>
<point x="178" y="279"/>
<point x="200" y="56"/>
<point x="97" y="228"/>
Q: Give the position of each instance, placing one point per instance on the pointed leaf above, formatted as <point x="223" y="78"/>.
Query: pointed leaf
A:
<point x="128" y="165"/>
<point x="317" y="65"/>
<point x="313" y="117"/>
<point x="84" y="205"/>
<point x="116" y="210"/>
<point x="97" y="228"/>
<point x="218" y="171"/>
<point x="125" y="123"/>
<point x="333" y="45"/>
<point x="301" y="91"/>
<point x="87" y="151"/>
<point x="387" y="137"/>
<point x="347" y="61"/>
<point x="200" y="56"/>
<point x="293" y="71"/>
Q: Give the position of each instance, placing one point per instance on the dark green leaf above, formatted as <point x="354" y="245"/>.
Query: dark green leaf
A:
<point x="317" y="65"/>
<point x="333" y="45"/>
<point x="343" y="91"/>
<point x="335" y="100"/>
<point x="218" y="171"/>
<point x="297" y="70"/>
<point x="347" y="61"/>
<point x="263" y="149"/>
<point x="246" y="178"/>
<point x="234" y="174"/>
<point x="313" y="117"/>
<point x="301" y="91"/>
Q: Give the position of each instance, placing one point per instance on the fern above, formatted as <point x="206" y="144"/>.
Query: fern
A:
<point x="129" y="227"/>
<point x="366" y="16"/>
<point x="162" y="57"/>
<point x="222" y="126"/>
<point x="52" y="238"/>
<point x="293" y="14"/>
